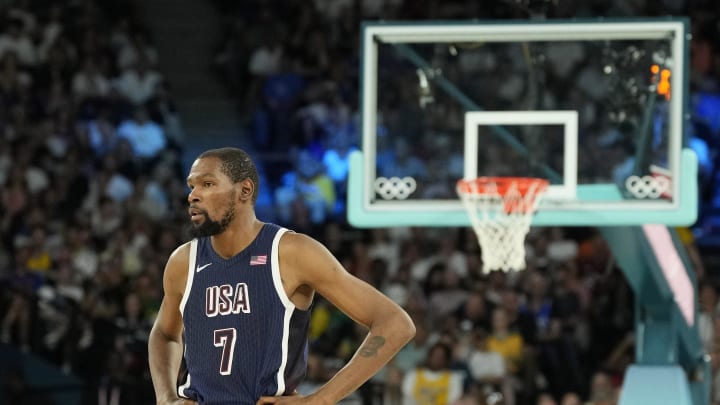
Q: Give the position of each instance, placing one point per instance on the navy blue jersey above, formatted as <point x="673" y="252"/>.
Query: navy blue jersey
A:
<point x="243" y="336"/>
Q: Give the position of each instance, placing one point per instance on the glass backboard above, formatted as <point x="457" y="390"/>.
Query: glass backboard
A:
<point x="595" y="107"/>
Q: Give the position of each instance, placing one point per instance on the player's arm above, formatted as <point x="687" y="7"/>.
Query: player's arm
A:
<point x="165" y="343"/>
<point x="390" y="328"/>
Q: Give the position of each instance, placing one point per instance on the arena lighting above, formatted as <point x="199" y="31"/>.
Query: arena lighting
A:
<point x="661" y="80"/>
<point x="625" y="68"/>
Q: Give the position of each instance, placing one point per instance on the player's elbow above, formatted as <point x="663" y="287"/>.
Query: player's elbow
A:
<point x="405" y="327"/>
<point x="410" y="330"/>
<point x="160" y="335"/>
<point x="156" y="337"/>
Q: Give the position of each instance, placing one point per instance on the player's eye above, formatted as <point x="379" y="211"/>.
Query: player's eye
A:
<point x="207" y="184"/>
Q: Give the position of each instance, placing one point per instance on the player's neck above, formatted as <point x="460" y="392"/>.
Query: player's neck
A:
<point x="236" y="237"/>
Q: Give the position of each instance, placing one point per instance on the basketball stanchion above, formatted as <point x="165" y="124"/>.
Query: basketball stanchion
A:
<point x="501" y="211"/>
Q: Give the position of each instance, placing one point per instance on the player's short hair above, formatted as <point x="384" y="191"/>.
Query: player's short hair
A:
<point x="237" y="165"/>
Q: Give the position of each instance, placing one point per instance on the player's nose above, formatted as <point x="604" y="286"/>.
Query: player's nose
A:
<point x="193" y="195"/>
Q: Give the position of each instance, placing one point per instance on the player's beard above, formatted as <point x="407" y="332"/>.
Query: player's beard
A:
<point x="209" y="227"/>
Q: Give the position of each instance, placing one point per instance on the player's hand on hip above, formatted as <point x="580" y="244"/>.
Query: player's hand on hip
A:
<point x="179" y="401"/>
<point x="286" y="400"/>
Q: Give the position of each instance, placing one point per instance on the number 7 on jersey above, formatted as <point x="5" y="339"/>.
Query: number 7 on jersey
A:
<point x="225" y="338"/>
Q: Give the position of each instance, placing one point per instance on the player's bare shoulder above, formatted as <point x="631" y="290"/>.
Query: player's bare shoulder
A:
<point x="293" y="242"/>
<point x="297" y="248"/>
<point x="304" y="258"/>
<point x="176" y="269"/>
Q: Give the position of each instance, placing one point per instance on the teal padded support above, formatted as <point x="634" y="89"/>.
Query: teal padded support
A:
<point x="665" y="343"/>
<point x="656" y="385"/>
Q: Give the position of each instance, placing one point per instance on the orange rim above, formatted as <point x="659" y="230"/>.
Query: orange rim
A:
<point x="528" y="188"/>
<point x="500" y="185"/>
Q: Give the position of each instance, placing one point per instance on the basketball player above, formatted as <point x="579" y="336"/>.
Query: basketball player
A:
<point x="237" y="298"/>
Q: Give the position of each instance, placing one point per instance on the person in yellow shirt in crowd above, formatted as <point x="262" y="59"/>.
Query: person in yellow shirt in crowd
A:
<point x="433" y="383"/>
<point x="505" y="341"/>
<point x="39" y="260"/>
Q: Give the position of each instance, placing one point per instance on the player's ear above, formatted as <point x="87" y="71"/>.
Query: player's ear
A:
<point x="246" y="189"/>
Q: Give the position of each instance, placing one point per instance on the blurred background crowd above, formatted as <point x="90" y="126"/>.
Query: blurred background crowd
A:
<point x="92" y="167"/>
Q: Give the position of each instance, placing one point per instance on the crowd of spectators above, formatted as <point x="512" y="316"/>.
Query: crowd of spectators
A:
<point x="90" y="147"/>
<point x="93" y="202"/>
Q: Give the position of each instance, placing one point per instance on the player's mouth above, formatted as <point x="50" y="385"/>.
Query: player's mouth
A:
<point x="195" y="213"/>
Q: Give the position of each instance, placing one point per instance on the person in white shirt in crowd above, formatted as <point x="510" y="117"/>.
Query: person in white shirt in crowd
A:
<point x="139" y="83"/>
<point x="488" y="369"/>
<point x="90" y="81"/>
<point x="560" y="248"/>
<point x="16" y="40"/>
<point x="145" y="136"/>
<point x="266" y="58"/>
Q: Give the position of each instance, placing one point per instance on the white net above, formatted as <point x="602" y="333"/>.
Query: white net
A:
<point x="500" y="211"/>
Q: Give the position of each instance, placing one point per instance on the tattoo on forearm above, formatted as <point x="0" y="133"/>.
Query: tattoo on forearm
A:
<point x="370" y="348"/>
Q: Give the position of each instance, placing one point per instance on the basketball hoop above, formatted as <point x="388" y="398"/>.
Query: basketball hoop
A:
<point x="501" y="211"/>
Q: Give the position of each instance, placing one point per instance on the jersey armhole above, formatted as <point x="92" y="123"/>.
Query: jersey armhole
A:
<point x="277" y="279"/>
<point x="190" y="275"/>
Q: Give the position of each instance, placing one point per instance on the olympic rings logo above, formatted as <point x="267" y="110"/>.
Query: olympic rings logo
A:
<point x="395" y="187"/>
<point x="647" y="186"/>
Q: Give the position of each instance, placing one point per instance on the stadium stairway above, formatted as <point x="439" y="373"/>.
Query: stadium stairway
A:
<point x="37" y="380"/>
<point x="186" y="34"/>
